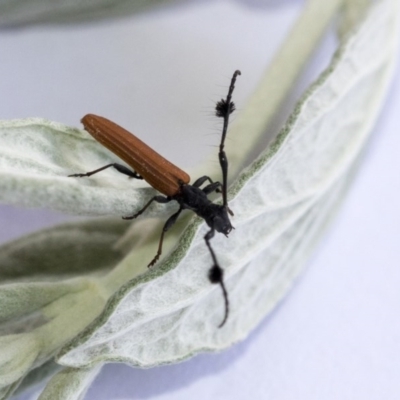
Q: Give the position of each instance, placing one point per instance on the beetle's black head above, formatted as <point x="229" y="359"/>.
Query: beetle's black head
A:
<point x="219" y="220"/>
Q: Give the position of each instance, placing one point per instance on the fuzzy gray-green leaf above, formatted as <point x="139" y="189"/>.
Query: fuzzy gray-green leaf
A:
<point x="282" y="203"/>
<point x="26" y="12"/>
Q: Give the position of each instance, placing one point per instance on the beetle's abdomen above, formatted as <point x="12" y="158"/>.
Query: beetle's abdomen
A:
<point x="155" y="169"/>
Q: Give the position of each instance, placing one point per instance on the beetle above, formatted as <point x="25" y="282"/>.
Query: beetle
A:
<point x="171" y="181"/>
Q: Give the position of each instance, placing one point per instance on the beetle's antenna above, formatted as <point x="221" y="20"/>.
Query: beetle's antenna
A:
<point x="216" y="275"/>
<point x="223" y="109"/>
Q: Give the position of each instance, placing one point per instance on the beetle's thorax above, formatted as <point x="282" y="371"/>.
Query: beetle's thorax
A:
<point x="215" y="215"/>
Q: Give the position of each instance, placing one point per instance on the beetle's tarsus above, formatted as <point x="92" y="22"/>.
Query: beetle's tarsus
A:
<point x="153" y="261"/>
<point x="133" y="216"/>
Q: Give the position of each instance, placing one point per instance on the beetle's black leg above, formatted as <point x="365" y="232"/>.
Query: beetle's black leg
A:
<point x="170" y="221"/>
<point x="198" y="182"/>
<point x="216" y="274"/>
<point x="201" y="180"/>
<point x="124" y="170"/>
<point x="120" y="168"/>
<point x="158" y="199"/>
<point x="213" y="187"/>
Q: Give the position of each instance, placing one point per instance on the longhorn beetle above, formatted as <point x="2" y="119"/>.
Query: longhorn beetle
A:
<point x="172" y="181"/>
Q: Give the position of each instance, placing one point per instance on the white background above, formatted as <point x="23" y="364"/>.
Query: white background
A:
<point x="337" y="334"/>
